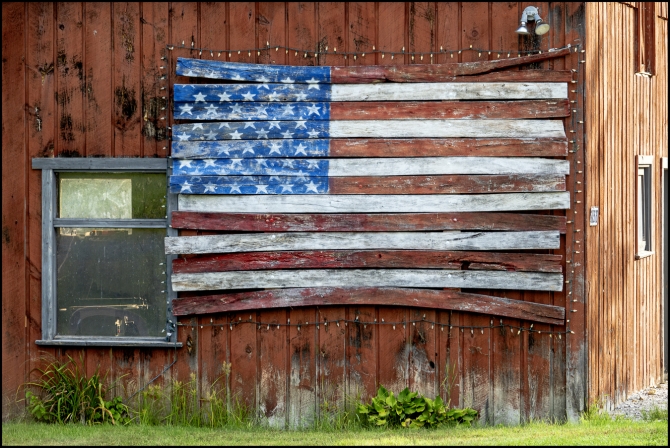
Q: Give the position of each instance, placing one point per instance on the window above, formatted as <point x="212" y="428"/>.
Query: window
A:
<point x="104" y="269"/>
<point x="644" y="203"/>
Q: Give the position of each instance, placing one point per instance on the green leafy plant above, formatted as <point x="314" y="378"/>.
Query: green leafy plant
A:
<point x="65" y="394"/>
<point x="655" y="414"/>
<point x="411" y="410"/>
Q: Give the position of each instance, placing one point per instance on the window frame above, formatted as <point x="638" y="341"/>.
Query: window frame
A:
<point x="644" y="204"/>
<point x="50" y="222"/>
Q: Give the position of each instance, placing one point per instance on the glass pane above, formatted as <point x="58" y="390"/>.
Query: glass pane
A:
<point x="112" y="195"/>
<point x="110" y="281"/>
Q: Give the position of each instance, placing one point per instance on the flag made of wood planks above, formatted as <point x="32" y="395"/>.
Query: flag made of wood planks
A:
<point x="326" y="187"/>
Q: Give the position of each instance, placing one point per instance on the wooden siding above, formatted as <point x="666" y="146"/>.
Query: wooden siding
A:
<point x="86" y="79"/>
<point x="627" y="115"/>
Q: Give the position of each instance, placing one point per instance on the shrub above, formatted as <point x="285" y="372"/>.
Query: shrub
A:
<point x="411" y="410"/>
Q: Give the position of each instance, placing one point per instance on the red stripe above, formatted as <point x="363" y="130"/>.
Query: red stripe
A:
<point x="362" y="222"/>
<point x="420" y="298"/>
<point x="419" y="259"/>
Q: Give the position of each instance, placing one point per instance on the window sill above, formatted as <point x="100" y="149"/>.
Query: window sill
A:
<point x="644" y="254"/>
<point x="125" y="342"/>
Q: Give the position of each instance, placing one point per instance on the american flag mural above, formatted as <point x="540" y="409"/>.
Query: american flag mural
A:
<point x="325" y="185"/>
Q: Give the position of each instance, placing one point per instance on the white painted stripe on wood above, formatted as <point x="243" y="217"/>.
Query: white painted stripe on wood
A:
<point x="416" y="166"/>
<point x="447" y="128"/>
<point x="448" y="91"/>
<point x="375" y="203"/>
<point x="356" y="278"/>
<point x="260" y="242"/>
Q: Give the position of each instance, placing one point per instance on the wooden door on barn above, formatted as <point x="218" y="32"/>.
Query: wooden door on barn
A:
<point x="330" y="218"/>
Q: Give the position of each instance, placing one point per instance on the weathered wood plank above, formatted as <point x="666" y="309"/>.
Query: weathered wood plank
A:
<point x="408" y="166"/>
<point x="292" y="74"/>
<point x="425" y="91"/>
<point x="373" y="110"/>
<point x="302" y="129"/>
<point x="378" y="222"/>
<point x="371" y="185"/>
<point x="362" y="240"/>
<point x="375" y="203"/>
<point x="383" y="147"/>
<point x="420" y="259"/>
<point x="419" y="298"/>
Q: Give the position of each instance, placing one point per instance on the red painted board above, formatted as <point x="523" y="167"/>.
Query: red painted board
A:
<point x="423" y="259"/>
<point x="380" y="222"/>
<point x="421" y="298"/>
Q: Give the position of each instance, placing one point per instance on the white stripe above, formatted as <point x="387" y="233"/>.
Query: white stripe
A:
<point x="374" y="203"/>
<point x="447" y="128"/>
<point x="353" y="278"/>
<point x="449" y="91"/>
<point x="256" y="242"/>
<point x="414" y="166"/>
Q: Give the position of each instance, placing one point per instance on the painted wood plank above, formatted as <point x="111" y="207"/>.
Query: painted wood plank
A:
<point x="425" y="91"/>
<point x="366" y="278"/>
<point x="370" y="185"/>
<point x="383" y="147"/>
<point x="364" y="222"/>
<point x="406" y="166"/>
<point x="419" y="259"/>
<point x="417" y="298"/>
<point x="304" y="129"/>
<point x="300" y="74"/>
<point x="362" y="240"/>
<point x="375" y="203"/>
<point x="373" y="110"/>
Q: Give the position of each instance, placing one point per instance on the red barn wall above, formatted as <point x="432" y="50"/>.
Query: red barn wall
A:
<point x="84" y="80"/>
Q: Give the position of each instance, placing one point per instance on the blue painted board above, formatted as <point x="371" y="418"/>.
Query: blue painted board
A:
<point x="251" y="130"/>
<point x="237" y="71"/>
<point x="250" y="148"/>
<point x="248" y="184"/>
<point x="251" y="111"/>
<point x="204" y="93"/>
<point x="252" y="167"/>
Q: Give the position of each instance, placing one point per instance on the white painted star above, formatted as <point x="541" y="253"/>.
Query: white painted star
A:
<point x="300" y="149"/>
<point x="262" y="110"/>
<point x="197" y="126"/>
<point x="249" y="124"/>
<point x="185" y="164"/>
<point x="186" y="186"/>
<point x="300" y="125"/>
<point x="223" y="96"/>
<point x="211" y="135"/>
<point x="248" y="148"/>
<point x="288" y="109"/>
<point x="288" y="80"/>
<point x="275" y="147"/>
<point x="209" y="162"/>
<point x="237" y="77"/>
<point x="210" y="187"/>
<point x="248" y="96"/>
<point x="261" y="189"/>
<point x="184" y="136"/>
<point x="199" y="97"/>
<point x="311" y="186"/>
<point x="301" y="176"/>
<point x="264" y="86"/>
<point x="235" y="187"/>
<point x="189" y="73"/>
<point x="287" y="134"/>
<point x="274" y="124"/>
<point x="224" y="125"/>
<point x="313" y="84"/>
<point x="234" y="162"/>
<point x="211" y="109"/>
<point x="273" y="96"/>
<point x="300" y="96"/>
<point x="222" y="150"/>
<point x="261" y="163"/>
<point x="236" y="108"/>
<point x="288" y="163"/>
<point x="262" y="133"/>
<point x="287" y="187"/>
<point x="313" y="109"/>
<point x="186" y="109"/>
<point x="312" y="164"/>
<point x="274" y="178"/>
<point x="236" y="135"/>
<point x="313" y="133"/>
<point x="262" y="78"/>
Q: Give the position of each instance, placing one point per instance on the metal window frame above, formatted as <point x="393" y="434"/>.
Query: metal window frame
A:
<point x="644" y="212"/>
<point x="51" y="166"/>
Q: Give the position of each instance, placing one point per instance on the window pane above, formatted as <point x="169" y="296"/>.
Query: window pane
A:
<point x="110" y="281"/>
<point x="112" y="195"/>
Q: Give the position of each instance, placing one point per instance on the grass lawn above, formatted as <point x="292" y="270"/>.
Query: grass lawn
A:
<point x="599" y="432"/>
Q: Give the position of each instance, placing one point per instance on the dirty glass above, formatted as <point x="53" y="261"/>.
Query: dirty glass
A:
<point x="112" y="195"/>
<point x="110" y="282"/>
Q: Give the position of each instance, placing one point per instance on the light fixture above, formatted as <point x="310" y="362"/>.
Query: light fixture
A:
<point x="531" y="14"/>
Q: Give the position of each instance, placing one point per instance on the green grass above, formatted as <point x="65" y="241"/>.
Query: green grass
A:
<point x="588" y="432"/>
